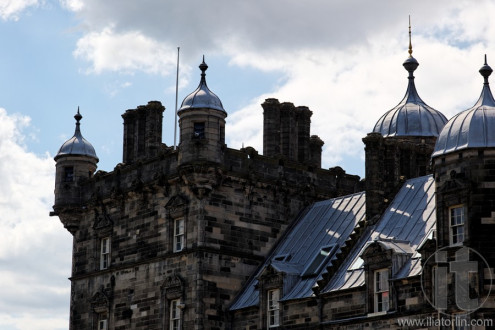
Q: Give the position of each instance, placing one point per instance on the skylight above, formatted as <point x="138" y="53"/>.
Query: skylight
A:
<point x="323" y="255"/>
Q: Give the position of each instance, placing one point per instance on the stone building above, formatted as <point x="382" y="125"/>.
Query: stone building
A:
<point x="209" y="237"/>
<point x="413" y="251"/>
<point x="169" y="237"/>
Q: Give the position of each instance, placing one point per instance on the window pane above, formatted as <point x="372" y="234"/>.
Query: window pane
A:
<point x="456" y="221"/>
<point x="381" y="290"/>
<point x="175" y="316"/>
<point x="273" y="296"/>
<point x="105" y="253"/>
<point x="199" y="130"/>
<point x="178" y="235"/>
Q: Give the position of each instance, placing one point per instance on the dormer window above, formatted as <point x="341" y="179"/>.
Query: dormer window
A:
<point x="456" y="224"/>
<point x="381" y="290"/>
<point x="315" y="266"/>
<point x="273" y="308"/>
<point x="199" y="130"/>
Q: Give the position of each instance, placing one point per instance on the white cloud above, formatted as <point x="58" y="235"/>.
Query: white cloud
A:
<point x="108" y="50"/>
<point x="35" y="250"/>
<point x="342" y="59"/>
<point x="72" y="5"/>
<point x="11" y="9"/>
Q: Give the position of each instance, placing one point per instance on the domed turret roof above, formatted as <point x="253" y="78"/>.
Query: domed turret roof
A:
<point x="202" y="97"/>
<point x="472" y="128"/>
<point x="412" y="116"/>
<point x="77" y="145"/>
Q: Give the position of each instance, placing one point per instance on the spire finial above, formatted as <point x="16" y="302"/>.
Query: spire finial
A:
<point x="486" y="71"/>
<point x="410" y="64"/>
<point x="203" y="67"/>
<point x="78" y="116"/>
<point x="410" y="43"/>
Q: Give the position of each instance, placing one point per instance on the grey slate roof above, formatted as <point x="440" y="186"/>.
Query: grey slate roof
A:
<point x="409" y="218"/>
<point x="324" y="223"/>
<point x="407" y="222"/>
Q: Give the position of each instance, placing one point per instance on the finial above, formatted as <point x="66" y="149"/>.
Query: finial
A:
<point x="486" y="71"/>
<point x="410" y="64"/>
<point x="410" y="43"/>
<point x="78" y="116"/>
<point x="203" y="66"/>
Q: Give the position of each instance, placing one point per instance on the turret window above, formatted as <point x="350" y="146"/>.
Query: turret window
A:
<point x="199" y="131"/>
<point x="68" y="174"/>
<point x="456" y="222"/>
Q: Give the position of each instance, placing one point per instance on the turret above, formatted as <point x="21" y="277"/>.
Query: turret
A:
<point x="400" y="146"/>
<point x="202" y="125"/>
<point x="463" y="164"/>
<point x="75" y="162"/>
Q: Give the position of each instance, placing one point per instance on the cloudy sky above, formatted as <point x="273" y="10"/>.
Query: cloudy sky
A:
<point x="343" y="59"/>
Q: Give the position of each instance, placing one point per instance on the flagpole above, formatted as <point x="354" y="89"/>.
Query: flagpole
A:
<point x="176" y="98"/>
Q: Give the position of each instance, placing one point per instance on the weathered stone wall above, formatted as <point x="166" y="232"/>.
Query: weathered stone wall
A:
<point x="230" y="226"/>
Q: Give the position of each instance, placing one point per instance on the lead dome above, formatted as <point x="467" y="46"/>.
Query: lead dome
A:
<point x="202" y="97"/>
<point x="412" y="116"/>
<point x="472" y="128"/>
<point x="77" y="144"/>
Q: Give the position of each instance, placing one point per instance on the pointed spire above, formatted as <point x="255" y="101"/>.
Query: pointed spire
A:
<point x="203" y="67"/>
<point x="410" y="64"/>
<point x="486" y="71"/>
<point x="78" y="116"/>
<point x="410" y="43"/>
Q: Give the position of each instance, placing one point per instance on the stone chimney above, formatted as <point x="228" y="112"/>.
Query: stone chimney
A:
<point x="142" y="131"/>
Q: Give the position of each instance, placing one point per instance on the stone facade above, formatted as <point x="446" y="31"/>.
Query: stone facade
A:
<point x="232" y="207"/>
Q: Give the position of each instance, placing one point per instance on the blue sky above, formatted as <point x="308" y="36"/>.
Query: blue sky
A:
<point x="342" y="59"/>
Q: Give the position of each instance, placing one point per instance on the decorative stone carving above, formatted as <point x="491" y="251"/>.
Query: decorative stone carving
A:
<point x="173" y="287"/>
<point x="100" y="303"/>
<point x="177" y="206"/>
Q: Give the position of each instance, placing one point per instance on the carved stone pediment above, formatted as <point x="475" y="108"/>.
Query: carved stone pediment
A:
<point x="102" y="221"/>
<point x="173" y="287"/>
<point x="177" y="206"/>
<point x="270" y="277"/>
<point x="100" y="302"/>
